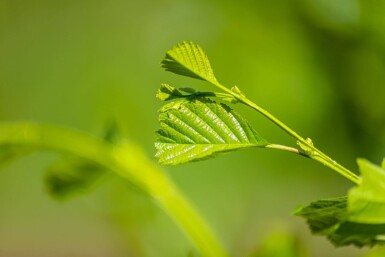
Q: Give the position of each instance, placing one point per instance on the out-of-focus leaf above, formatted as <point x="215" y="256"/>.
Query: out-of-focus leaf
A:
<point x="189" y="59"/>
<point x="358" y="234"/>
<point x="68" y="176"/>
<point x="329" y="217"/>
<point x="71" y="175"/>
<point x="199" y="129"/>
<point x="358" y="219"/>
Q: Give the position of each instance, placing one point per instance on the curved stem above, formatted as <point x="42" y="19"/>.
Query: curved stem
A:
<point x="313" y="152"/>
<point x="126" y="160"/>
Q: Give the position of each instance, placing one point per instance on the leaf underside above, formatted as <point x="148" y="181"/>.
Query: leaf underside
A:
<point x="200" y="129"/>
<point x="189" y="59"/>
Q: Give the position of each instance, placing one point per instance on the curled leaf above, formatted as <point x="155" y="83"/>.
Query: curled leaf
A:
<point x="167" y="92"/>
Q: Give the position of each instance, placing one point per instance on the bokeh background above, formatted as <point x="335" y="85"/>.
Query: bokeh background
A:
<point x="319" y="65"/>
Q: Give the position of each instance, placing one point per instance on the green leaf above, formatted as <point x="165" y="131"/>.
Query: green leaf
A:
<point x="367" y="200"/>
<point x="189" y="59"/>
<point x="358" y="219"/>
<point x="167" y="92"/>
<point x="324" y="215"/>
<point x="199" y="129"/>
<point x="330" y="218"/>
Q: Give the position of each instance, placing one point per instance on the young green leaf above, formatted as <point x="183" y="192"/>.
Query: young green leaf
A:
<point x="367" y="200"/>
<point x="189" y="59"/>
<point x="199" y="129"/>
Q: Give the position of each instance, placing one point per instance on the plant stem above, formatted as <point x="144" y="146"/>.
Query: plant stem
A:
<point x="129" y="162"/>
<point x="314" y="152"/>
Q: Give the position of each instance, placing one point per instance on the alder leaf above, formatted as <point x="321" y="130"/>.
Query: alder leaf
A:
<point x="189" y="59"/>
<point x="199" y="128"/>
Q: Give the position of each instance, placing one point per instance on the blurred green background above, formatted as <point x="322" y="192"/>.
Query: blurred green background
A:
<point x="319" y="65"/>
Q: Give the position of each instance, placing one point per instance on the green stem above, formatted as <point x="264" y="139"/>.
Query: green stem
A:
<point x="129" y="162"/>
<point x="313" y="153"/>
<point x="286" y="148"/>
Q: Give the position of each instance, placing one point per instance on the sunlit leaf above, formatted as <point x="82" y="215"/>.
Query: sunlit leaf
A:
<point x="167" y="92"/>
<point x="200" y="129"/>
<point x="367" y="200"/>
<point x="189" y="59"/>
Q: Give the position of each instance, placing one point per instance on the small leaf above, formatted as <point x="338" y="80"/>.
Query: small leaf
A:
<point x="189" y="59"/>
<point x="199" y="129"/>
<point x="167" y="92"/>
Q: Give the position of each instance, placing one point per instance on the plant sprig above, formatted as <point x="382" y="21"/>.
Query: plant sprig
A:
<point x="194" y="128"/>
<point x="189" y="59"/>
